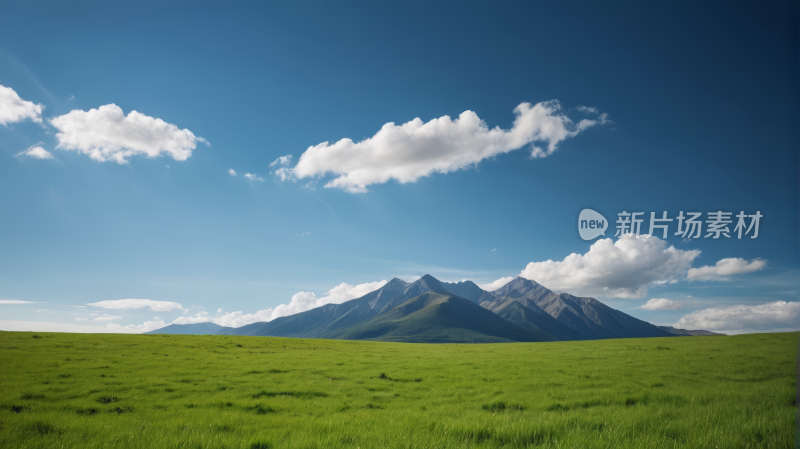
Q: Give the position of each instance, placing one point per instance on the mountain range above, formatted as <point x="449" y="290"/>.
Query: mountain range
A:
<point x="431" y="311"/>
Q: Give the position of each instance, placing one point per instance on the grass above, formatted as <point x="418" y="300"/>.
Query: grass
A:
<point x="183" y="391"/>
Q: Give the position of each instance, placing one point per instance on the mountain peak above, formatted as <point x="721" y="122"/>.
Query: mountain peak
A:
<point x="519" y="283"/>
<point x="432" y="283"/>
<point x="526" y="280"/>
<point x="425" y="284"/>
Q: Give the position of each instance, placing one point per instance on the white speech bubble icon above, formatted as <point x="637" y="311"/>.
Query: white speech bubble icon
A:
<point x="591" y="224"/>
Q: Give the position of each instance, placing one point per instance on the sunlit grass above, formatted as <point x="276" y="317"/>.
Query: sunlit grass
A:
<point x="172" y="391"/>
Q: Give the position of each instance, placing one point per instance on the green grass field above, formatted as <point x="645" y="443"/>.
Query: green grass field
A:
<point x="172" y="391"/>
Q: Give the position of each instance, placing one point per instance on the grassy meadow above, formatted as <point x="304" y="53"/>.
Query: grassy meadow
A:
<point x="175" y="391"/>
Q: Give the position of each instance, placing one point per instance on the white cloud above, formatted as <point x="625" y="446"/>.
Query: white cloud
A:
<point x="71" y="97"/>
<point x="82" y="319"/>
<point x="155" y="323"/>
<point x="14" y="109"/>
<point x="300" y="302"/>
<point x="219" y="310"/>
<point x="106" y="134"/>
<point x="108" y="317"/>
<point x="127" y="304"/>
<point x="623" y="269"/>
<point x="724" y="268"/>
<point x="587" y="109"/>
<point x="662" y="304"/>
<point x="286" y="174"/>
<point x="15" y="301"/>
<point x="253" y="177"/>
<point x="232" y="172"/>
<point x="36" y="152"/>
<point x="765" y="316"/>
<point x="283" y="160"/>
<point x="415" y="149"/>
<point x="492" y="286"/>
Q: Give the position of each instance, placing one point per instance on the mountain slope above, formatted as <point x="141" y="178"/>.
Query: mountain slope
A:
<point x="316" y="323"/>
<point x="588" y="317"/>
<point x="534" y="321"/>
<point x="687" y="333"/>
<point x="441" y="318"/>
<point x="330" y="320"/>
<point x="468" y="290"/>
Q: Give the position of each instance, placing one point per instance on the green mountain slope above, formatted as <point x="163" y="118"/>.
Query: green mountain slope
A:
<point x="440" y="318"/>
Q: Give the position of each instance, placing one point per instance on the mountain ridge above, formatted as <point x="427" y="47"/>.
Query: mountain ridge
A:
<point x="429" y="310"/>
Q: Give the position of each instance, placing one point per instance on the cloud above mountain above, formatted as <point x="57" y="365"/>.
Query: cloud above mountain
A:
<point x="107" y="134"/>
<point x="725" y="268"/>
<point x="492" y="286"/>
<point x="778" y="314"/>
<point x="14" y="109"/>
<point x="621" y="269"/>
<point x="300" y="302"/>
<point x="662" y="304"/>
<point x="417" y="149"/>
<point x="626" y="269"/>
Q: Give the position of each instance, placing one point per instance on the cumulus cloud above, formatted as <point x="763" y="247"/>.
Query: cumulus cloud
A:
<point x="128" y="304"/>
<point x="724" y="268"/>
<point x="82" y="319"/>
<point x="14" y="109"/>
<point x="155" y="323"/>
<point x="283" y="160"/>
<point x="232" y="172"/>
<point x="253" y="177"/>
<point x="285" y="174"/>
<point x="765" y="316"/>
<point x="300" y="302"/>
<point x="621" y="269"/>
<point x="15" y="301"/>
<point x="492" y="286"/>
<point x="36" y="152"/>
<point x="416" y="149"/>
<point x="107" y="134"/>
<point x="662" y="304"/>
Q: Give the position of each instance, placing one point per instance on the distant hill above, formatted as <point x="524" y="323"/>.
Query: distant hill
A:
<point x="430" y="311"/>
<point x="190" y="329"/>
<point x="688" y="333"/>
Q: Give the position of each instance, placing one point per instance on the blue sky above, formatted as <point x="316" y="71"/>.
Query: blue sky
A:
<point x="691" y="108"/>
